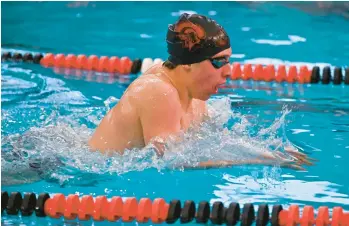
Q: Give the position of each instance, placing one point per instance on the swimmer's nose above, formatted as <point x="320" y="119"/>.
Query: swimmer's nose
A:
<point x="226" y="71"/>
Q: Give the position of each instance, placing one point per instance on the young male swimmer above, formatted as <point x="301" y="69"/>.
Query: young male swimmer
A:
<point x="169" y="98"/>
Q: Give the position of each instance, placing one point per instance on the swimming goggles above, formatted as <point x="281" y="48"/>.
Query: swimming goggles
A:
<point x="219" y="62"/>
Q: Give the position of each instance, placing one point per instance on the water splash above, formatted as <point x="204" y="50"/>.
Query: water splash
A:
<point x="57" y="149"/>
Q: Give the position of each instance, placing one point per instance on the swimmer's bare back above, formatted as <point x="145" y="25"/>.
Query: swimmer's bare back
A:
<point x="149" y="108"/>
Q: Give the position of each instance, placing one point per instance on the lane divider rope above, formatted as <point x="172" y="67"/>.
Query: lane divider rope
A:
<point x="158" y="211"/>
<point x="124" y="66"/>
<point x="269" y="88"/>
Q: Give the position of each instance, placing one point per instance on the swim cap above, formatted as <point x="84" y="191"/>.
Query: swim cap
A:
<point x="195" y="38"/>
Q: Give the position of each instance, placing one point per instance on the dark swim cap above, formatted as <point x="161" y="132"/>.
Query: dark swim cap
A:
<point x="195" y="38"/>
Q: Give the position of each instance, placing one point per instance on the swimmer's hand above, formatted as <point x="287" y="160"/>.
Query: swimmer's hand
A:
<point x="295" y="159"/>
<point x="291" y="158"/>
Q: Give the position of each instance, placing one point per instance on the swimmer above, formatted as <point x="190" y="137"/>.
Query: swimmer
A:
<point x="171" y="97"/>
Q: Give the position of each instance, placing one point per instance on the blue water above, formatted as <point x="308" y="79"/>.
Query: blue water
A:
<point x="47" y="114"/>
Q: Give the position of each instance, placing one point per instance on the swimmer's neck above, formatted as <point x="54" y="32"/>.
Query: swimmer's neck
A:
<point x="178" y="79"/>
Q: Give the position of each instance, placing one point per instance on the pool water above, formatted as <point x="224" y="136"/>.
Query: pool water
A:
<point x="48" y="114"/>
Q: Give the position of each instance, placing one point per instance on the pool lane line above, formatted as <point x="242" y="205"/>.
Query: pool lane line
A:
<point x="124" y="65"/>
<point x="129" y="209"/>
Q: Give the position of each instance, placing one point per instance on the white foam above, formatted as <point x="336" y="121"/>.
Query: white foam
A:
<point x="296" y="38"/>
<point x="286" y="100"/>
<point x="239" y="189"/>
<point x="237" y="55"/>
<point x="287" y="176"/>
<point x="180" y="12"/>
<point x="96" y="98"/>
<point x="272" y="42"/>
<point x="297" y="131"/>
<point x="145" y="36"/>
<point x="292" y="39"/>
<point x="212" y="13"/>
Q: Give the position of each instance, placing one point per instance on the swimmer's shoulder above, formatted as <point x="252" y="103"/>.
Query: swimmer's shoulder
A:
<point x="153" y="69"/>
<point x="152" y="86"/>
<point x="155" y="99"/>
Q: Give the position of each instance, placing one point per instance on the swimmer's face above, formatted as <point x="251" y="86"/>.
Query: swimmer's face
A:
<point x="206" y="77"/>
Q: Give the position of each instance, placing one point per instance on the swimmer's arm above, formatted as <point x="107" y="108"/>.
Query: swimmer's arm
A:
<point x="296" y="165"/>
<point x="227" y="163"/>
<point x="160" y="115"/>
